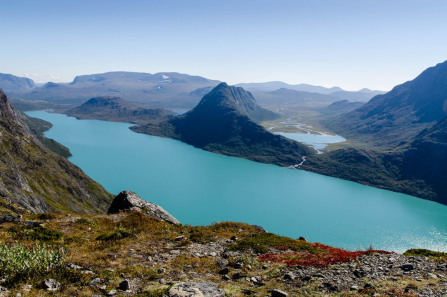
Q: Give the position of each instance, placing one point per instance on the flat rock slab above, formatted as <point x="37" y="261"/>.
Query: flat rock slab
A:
<point x="196" y="289"/>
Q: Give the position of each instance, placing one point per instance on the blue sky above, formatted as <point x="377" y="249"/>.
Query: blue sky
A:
<point x="348" y="43"/>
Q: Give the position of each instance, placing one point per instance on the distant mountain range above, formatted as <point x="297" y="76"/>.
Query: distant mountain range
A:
<point x="224" y="122"/>
<point x="166" y="90"/>
<point x="37" y="179"/>
<point x="361" y="95"/>
<point x="10" y="82"/>
<point x="157" y="90"/>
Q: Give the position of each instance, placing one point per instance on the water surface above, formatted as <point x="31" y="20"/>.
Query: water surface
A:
<point x="199" y="187"/>
<point x="317" y="141"/>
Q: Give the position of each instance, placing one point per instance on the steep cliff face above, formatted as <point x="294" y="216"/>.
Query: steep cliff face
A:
<point x="37" y="179"/>
<point x="401" y="114"/>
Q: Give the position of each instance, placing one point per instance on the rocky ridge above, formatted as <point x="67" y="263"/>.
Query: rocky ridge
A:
<point x="37" y="179"/>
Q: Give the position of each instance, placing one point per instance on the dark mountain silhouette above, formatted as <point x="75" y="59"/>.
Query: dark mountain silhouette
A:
<point x="223" y="122"/>
<point x="116" y="109"/>
<point x="426" y="159"/>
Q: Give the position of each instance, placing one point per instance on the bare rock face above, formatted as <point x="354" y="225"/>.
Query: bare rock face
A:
<point x="196" y="289"/>
<point x="128" y="201"/>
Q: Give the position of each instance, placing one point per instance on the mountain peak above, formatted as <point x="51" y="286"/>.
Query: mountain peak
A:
<point x="399" y="115"/>
<point x="225" y="97"/>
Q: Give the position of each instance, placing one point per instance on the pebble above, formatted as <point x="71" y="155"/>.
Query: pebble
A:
<point x="124" y="285"/>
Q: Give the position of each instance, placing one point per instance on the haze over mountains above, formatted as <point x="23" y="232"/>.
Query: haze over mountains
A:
<point x="168" y="90"/>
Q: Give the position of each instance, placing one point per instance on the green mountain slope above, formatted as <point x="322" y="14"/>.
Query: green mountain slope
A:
<point x="37" y="179"/>
<point x="399" y="115"/>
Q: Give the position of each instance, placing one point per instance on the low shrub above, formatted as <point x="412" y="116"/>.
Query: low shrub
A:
<point x="262" y="242"/>
<point x="426" y="253"/>
<point x="42" y="234"/>
<point x="118" y="234"/>
<point x="18" y="262"/>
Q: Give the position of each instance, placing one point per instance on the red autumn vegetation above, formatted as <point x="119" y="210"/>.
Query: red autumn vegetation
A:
<point x="322" y="256"/>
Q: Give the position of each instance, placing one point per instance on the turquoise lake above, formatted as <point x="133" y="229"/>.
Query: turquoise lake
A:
<point x="198" y="188"/>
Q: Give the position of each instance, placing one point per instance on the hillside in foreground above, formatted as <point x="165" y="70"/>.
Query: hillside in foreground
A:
<point x="129" y="254"/>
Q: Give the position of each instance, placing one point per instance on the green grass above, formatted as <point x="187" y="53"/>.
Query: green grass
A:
<point x="18" y="262"/>
<point x="118" y="234"/>
<point x="262" y="242"/>
<point x="426" y="253"/>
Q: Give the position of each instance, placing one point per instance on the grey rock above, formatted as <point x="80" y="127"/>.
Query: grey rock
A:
<point x="128" y="201"/>
<point x="195" y="289"/>
<point x="161" y="270"/>
<point x="237" y="265"/>
<point x="279" y="293"/>
<point x="9" y="218"/>
<point x="259" y="229"/>
<point x="112" y="293"/>
<point x="73" y="266"/>
<point x="95" y="282"/>
<point x="223" y="263"/>
<point x="289" y="275"/>
<point x="51" y="284"/>
<point x="162" y="281"/>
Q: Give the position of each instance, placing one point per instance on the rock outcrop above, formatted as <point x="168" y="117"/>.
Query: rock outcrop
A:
<point x="129" y="201"/>
<point x="196" y="289"/>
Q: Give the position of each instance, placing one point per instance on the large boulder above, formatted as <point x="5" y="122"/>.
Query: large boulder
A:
<point x="128" y="201"/>
<point x="196" y="289"/>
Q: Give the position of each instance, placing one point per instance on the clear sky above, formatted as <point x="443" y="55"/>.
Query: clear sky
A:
<point x="348" y="43"/>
